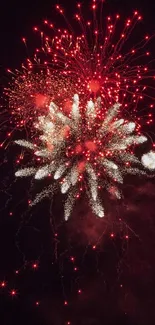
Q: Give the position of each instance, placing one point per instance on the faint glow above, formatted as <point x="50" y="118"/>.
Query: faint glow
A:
<point x="37" y="303"/>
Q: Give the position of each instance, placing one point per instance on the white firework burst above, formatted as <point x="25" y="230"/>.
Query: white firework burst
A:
<point x="84" y="152"/>
<point x="148" y="160"/>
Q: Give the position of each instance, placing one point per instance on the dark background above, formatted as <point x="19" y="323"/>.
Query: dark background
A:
<point x="116" y="274"/>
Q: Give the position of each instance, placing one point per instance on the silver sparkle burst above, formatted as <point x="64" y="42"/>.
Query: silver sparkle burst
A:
<point x="109" y="155"/>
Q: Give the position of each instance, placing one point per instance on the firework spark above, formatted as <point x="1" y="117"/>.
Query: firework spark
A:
<point x="83" y="152"/>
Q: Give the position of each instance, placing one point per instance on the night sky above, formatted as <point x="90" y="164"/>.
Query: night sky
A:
<point x="87" y="271"/>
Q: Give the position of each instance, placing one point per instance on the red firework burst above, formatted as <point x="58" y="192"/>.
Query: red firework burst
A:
<point x="95" y="60"/>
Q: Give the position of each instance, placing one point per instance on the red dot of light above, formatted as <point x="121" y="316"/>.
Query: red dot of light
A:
<point x="78" y="148"/>
<point x="67" y="107"/>
<point x="65" y="131"/>
<point x="40" y="100"/>
<point x="50" y="146"/>
<point x="94" y="85"/>
<point x="90" y="145"/>
<point x="93" y="7"/>
<point x="65" y="303"/>
<point x="13" y="293"/>
<point x="3" y="284"/>
<point x="81" y="166"/>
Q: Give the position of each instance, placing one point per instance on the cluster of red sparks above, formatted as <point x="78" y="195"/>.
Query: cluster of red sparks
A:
<point x="95" y="63"/>
<point x="71" y="91"/>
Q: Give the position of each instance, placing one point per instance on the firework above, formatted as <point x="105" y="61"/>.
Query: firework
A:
<point x="92" y="62"/>
<point x="83" y="152"/>
<point x="67" y="97"/>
